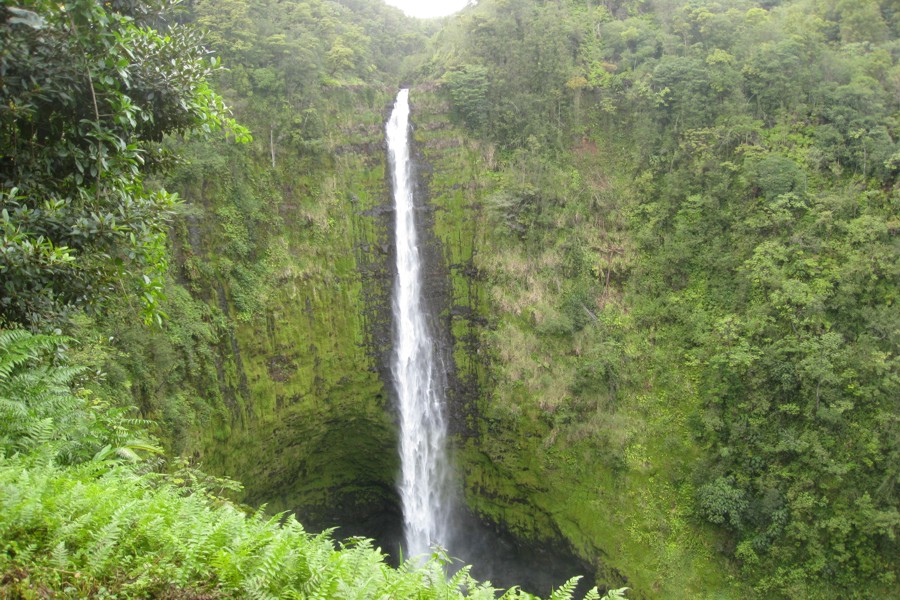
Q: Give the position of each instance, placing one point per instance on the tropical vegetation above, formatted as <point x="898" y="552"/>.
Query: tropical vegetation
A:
<point x="667" y="259"/>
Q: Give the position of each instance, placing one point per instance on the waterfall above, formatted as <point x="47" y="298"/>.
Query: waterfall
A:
<point x="419" y="382"/>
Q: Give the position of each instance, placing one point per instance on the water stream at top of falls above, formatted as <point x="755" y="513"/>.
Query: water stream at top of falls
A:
<point x="419" y="381"/>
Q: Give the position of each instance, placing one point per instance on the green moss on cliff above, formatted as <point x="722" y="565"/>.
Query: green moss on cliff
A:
<point x="268" y="368"/>
<point x="571" y="440"/>
<point x="312" y="428"/>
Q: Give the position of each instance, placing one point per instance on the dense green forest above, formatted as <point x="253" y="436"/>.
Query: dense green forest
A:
<point x="669" y="236"/>
<point x="690" y="260"/>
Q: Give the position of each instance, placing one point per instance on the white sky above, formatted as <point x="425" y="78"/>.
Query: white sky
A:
<point x="428" y="8"/>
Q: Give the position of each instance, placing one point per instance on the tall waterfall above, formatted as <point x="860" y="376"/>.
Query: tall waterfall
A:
<point x="420" y="383"/>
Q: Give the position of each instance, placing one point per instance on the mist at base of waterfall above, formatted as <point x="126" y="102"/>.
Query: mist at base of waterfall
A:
<point x="494" y="555"/>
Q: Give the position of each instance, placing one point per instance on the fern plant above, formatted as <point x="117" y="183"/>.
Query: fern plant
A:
<point x="41" y="410"/>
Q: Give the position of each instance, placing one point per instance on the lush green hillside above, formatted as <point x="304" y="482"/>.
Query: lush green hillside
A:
<point x="686" y="236"/>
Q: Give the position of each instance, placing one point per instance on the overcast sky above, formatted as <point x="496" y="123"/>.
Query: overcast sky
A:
<point x="428" y="8"/>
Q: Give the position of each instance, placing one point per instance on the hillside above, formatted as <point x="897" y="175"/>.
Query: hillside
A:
<point x="686" y="264"/>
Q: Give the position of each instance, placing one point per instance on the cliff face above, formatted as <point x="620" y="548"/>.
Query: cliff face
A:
<point x="307" y="419"/>
<point x="549" y="407"/>
<point x="306" y="422"/>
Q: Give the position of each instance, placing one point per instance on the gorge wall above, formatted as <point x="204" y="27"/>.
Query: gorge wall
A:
<point x="553" y="464"/>
<point x="306" y="423"/>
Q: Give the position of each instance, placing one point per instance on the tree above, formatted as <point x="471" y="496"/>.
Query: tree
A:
<point x="88" y="92"/>
<point x="468" y="87"/>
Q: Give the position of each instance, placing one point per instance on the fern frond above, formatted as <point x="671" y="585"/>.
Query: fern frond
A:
<point x="18" y="346"/>
<point x="59" y="556"/>
<point x="460" y="577"/>
<point x="565" y="591"/>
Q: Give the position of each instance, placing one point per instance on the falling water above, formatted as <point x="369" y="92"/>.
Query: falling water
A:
<point x="420" y="384"/>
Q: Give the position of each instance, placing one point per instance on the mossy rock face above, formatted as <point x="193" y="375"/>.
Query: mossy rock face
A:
<point x="448" y="169"/>
<point x="308" y="425"/>
<point x="453" y="176"/>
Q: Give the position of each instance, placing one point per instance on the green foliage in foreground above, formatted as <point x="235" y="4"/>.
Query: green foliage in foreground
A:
<point x="96" y="528"/>
<point x="107" y="525"/>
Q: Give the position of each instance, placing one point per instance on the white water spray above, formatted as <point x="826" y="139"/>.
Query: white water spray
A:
<point x="419" y="383"/>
